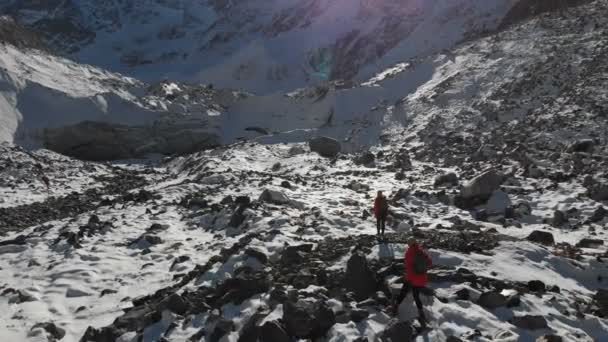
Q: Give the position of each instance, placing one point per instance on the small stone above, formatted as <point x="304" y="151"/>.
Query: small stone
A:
<point x="529" y="322"/>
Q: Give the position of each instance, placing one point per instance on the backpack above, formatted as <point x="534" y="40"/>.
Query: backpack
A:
<point x="419" y="263"/>
<point x="383" y="205"/>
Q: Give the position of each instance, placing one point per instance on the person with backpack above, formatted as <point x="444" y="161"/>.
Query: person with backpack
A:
<point x="380" y="212"/>
<point x="416" y="265"/>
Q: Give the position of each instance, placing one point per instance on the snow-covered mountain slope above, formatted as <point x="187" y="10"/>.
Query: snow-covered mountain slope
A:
<point x="258" y="46"/>
<point x="493" y="155"/>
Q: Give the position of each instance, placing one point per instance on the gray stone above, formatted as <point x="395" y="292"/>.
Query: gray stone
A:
<point x="397" y="332"/>
<point x="529" y="322"/>
<point x="541" y="237"/>
<point x="359" y="278"/>
<point x="482" y="186"/>
<point x="272" y="331"/>
<point x="492" y="300"/>
<point x="274" y="197"/>
<point x="449" y="178"/>
<point x="326" y="147"/>
<point x="590" y="243"/>
<point x="307" y="319"/>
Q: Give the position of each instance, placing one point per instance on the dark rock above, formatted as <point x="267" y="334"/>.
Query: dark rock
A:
<point x="242" y="200"/>
<point x="293" y="255"/>
<point x="403" y="161"/>
<point x="559" y="218"/>
<point x="549" y="338"/>
<point x="222" y="328"/>
<point x="308" y="319"/>
<point x="399" y="176"/>
<point x="53" y="330"/>
<point x="514" y="301"/>
<point x="107" y="292"/>
<point x="326" y="147"/>
<point x="601" y="299"/>
<point x="365" y="158"/>
<point x="359" y="278"/>
<point x="175" y="303"/>
<point x="238" y="289"/>
<point x="492" y="300"/>
<point x="397" y="332"/>
<point x="286" y="185"/>
<point x="536" y="286"/>
<point x="453" y="339"/>
<point x="238" y="217"/>
<point x="584" y="145"/>
<point x="598" y="192"/>
<point x="463" y="294"/>
<point x="450" y="179"/>
<point x="257" y="254"/>
<point x="358" y="315"/>
<point x="529" y="322"/>
<point x="599" y="214"/>
<point x="273" y="332"/>
<point x="590" y="243"/>
<point x="541" y="237"/>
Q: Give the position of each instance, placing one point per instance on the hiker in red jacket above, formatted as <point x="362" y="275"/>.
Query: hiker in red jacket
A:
<point x="416" y="264"/>
<point x="380" y="212"/>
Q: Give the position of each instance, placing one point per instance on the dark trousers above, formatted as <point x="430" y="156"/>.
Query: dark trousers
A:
<point x="381" y="224"/>
<point x="416" y="291"/>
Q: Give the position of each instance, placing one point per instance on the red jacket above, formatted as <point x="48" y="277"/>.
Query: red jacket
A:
<point x="377" y="209"/>
<point x="418" y="280"/>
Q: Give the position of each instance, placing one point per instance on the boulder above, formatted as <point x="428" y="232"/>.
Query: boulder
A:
<point x="498" y="203"/>
<point x="174" y="303"/>
<point x="272" y="331"/>
<point x="599" y="214"/>
<point x="536" y="286"/>
<point x="559" y="218"/>
<point x="583" y="145"/>
<point x="294" y="255"/>
<point x="55" y="333"/>
<point x="529" y="322"/>
<point x="274" y="197"/>
<point x="365" y="158"/>
<point x="324" y="146"/>
<point x="598" y="192"/>
<point x="482" y="186"/>
<point x="257" y="254"/>
<point x="308" y="319"/>
<point x="590" y="243"/>
<point x="242" y="287"/>
<point x="296" y="150"/>
<point x="541" y="237"/>
<point x="601" y="299"/>
<point x="358" y="315"/>
<point x="397" y="332"/>
<point x="449" y="178"/>
<point x="492" y="300"/>
<point x="549" y="338"/>
<point x="403" y="161"/>
<point x="359" y="278"/>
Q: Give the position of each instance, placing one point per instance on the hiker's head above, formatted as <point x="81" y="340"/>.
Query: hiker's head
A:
<point x="412" y="241"/>
<point x="379" y="193"/>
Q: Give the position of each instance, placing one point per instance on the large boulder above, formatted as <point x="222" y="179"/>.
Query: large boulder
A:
<point x="482" y="186"/>
<point x="601" y="299"/>
<point x="294" y="255"/>
<point x="498" y="203"/>
<point x="599" y="192"/>
<point x="326" y="147"/>
<point x="397" y="331"/>
<point x="272" y="331"/>
<point x="541" y="237"/>
<point x="274" y="197"/>
<point x="449" y="178"/>
<point x="359" y="278"/>
<point x="308" y="319"/>
<point x="583" y="145"/>
<point x="365" y="158"/>
<point x="492" y="300"/>
<point x="529" y="322"/>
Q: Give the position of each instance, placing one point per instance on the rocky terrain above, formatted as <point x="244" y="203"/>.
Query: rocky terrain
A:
<point x="493" y="154"/>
